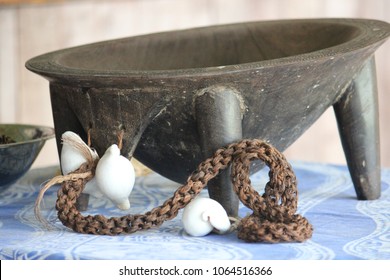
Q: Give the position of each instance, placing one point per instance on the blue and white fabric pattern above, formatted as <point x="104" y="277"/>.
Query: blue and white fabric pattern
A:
<point x="344" y="228"/>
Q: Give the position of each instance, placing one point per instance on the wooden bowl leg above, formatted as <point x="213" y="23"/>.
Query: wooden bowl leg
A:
<point x="358" y="122"/>
<point x="64" y="120"/>
<point x="218" y="113"/>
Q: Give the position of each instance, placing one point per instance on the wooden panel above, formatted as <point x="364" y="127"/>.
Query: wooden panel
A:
<point x="18" y="2"/>
<point x="9" y="60"/>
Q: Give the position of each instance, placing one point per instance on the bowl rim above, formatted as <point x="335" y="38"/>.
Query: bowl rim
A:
<point x="50" y="133"/>
<point x="372" y="32"/>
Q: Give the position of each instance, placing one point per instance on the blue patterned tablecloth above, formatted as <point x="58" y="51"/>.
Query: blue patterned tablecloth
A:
<point x="344" y="228"/>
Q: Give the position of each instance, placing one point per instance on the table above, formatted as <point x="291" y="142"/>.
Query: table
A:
<point x="344" y="228"/>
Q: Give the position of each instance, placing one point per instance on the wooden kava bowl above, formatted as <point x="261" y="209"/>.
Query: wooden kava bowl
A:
<point x="180" y="95"/>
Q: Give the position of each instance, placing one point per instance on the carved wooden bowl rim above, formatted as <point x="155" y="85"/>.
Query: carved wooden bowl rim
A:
<point x="368" y="32"/>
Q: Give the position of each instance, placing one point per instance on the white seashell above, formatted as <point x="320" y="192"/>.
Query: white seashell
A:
<point x="115" y="177"/>
<point x="74" y="153"/>
<point x="202" y="215"/>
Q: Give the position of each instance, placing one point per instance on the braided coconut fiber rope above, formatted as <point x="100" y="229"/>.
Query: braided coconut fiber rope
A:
<point x="273" y="218"/>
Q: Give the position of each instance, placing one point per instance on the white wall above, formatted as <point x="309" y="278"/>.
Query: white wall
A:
<point x="27" y="30"/>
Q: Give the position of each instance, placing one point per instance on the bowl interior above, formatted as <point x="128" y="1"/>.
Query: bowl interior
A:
<point x="22" y="134"/>
<point x="210" y="47"/>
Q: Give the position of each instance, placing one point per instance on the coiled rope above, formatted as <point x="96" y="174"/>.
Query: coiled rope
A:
<point x="274" y="217"/>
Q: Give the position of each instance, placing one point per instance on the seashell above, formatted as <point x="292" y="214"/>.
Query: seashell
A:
<point x="203" y="215"/>
<point x="74" y="153"/>
<point x="115" y="177"/>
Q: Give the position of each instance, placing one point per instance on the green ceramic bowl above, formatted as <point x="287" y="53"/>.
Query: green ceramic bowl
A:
<point x="19" y="147"/>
